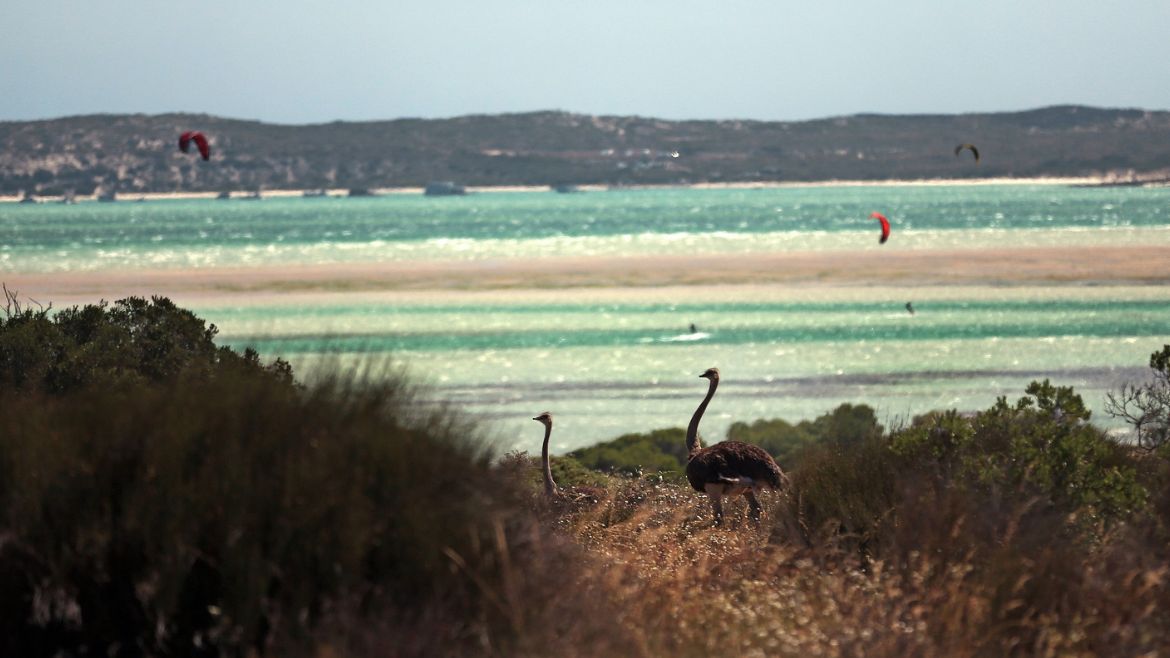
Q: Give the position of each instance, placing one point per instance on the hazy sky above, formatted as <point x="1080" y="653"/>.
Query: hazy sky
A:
<point x="301" y="62"/>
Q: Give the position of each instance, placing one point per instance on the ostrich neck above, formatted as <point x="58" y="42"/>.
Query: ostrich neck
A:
<point x="549" y="485"/>
<point x="693" y="429"/>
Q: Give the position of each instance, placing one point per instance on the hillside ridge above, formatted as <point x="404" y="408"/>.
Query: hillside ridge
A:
<point x="137" y="153"/>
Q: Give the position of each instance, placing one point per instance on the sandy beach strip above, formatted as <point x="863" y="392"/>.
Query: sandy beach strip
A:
<point x="1003" y="267"/>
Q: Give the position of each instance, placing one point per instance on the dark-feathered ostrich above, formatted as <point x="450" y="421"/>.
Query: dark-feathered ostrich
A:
<point x="731" y="468"/>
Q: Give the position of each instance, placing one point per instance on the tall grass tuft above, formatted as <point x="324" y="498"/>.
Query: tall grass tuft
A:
<point x="231" y="509"/>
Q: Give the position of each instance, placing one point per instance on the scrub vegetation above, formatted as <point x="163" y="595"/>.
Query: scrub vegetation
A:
<point x="162" y="496"/>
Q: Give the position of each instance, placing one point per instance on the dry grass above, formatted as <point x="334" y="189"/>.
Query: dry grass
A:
<point x="953" y="577"/>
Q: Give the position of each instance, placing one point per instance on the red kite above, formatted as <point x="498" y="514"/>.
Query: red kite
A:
<point x="200" y="142"/>
<point x="885" y="226"/>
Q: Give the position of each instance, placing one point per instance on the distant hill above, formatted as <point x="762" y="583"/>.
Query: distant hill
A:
<point x="137" y="153"/>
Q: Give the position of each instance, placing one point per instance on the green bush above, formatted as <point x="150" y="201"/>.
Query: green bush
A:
<point x="664" y="450"/>
<point x="134" y="340"/>
<point x="847" y="425"/>
<point x="569" y="472"/>
<point x="786" y="442"/>
<point x="1041" y="450"/>
<point x="848" y="495"/>
<point x="1020" y="528"/>
<point x="660" y="450"/>
<point x="1043" y="444"/>
<point x="566" y="470"/>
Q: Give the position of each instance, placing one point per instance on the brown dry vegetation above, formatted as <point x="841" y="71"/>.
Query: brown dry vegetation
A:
<point x="957" y="578"/>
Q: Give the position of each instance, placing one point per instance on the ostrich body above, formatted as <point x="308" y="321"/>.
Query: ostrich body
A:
<point x="730" y="468"/>
<point x="550" y="487"/>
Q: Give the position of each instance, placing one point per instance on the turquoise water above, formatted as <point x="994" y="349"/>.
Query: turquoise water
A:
<point x="605" y="369"/>
<point x="208" y="233"/>
<point x="606" y="363"/>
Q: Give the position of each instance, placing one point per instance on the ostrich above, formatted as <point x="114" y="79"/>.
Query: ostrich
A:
<point x="550" y="487"/>
<point x="730" y="468"/>
<point x="571" y="493"/>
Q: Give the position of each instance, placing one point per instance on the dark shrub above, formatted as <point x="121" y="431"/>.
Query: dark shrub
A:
<point x="664" y="450"/>
<point x="103" y="345"/>
<point x="660" y="450"/>
<point x="844" y="426"/>
<point x="786" y="442"/>
<point x="1041" y="445"/>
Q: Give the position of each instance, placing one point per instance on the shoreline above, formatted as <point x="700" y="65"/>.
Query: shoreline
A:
<point x="1088" y="181"/>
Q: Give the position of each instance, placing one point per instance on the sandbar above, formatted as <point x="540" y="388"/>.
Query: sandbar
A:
<point x="939" y="270"/>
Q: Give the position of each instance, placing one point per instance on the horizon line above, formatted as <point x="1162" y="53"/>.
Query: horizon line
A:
<point x="1056" y="106"/>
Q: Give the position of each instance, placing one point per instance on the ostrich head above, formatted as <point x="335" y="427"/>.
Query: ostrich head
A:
<point x="711" y="373"/>
<point x="544" y="418"/>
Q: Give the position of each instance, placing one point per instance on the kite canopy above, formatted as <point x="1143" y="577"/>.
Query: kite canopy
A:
<point x="200" y="142"/>
<point x="885" y="226"/>
<point x="970" y="147"/>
